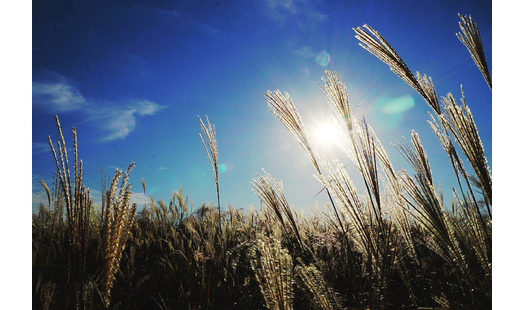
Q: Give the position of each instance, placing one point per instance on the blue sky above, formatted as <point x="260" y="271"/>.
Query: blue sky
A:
<point x="132" y="76"/>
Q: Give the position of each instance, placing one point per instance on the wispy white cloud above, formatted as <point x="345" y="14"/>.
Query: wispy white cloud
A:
<point x="35" y="182"/>
<point x="279" y="10"/>
<point x="40" y="147"/>
<point x="207" y="29"/>
<point x="58" y="97"/>
<point x="186" y="20"/>
<point x="140" y="199"/>
<point x="115" y="120"/>
<point x="304" y="52"/>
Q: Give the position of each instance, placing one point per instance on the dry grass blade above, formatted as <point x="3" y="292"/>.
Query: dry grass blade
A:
<point x="284" y="109"/>
<point x="378" y="46"/>
<point x="471" y="39"/>
<point x="212" y="153"/>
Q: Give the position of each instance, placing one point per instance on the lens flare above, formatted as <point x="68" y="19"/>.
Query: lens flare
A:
<point x="323" y="58"/>
<point x="227" y="166"/>
<point x="399" y="105"/>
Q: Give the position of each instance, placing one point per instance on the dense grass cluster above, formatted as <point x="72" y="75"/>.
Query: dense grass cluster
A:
<point x="396" y="245"/>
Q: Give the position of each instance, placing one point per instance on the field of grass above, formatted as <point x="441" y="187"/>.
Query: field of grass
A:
<point x="395" y="245"/>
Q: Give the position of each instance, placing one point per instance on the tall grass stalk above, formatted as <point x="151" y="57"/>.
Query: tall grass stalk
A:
<point x="78" y="204"/>
<point x="210" y="145"/>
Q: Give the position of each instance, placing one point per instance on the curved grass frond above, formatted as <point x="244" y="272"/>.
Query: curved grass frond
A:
<point x="374" y="43"/>
<point x="471" y="39"/>
<point x="417" y="157"/>
<point x="429" y="207"/>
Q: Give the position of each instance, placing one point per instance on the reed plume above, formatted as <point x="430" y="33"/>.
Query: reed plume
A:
<point x="472" y="40"/>
<point x="284" y="109"/>
<point x="459" y="122"/>
<point x="338" y="99"/>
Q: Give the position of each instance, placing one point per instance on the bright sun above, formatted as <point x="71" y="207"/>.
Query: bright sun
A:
<point x="325" y="134"/>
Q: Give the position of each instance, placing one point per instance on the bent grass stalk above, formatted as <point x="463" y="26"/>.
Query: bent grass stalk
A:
<point x="472" y="40"/>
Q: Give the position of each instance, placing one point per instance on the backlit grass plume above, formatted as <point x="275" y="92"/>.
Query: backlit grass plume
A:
<point x="459" y="122"/>
<point x="271" y="193"/>
<point x="337" y="97"/>
<point x="285" y="110"/>
<point x="210" y="144"/>
<point x="373" y="42"/>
